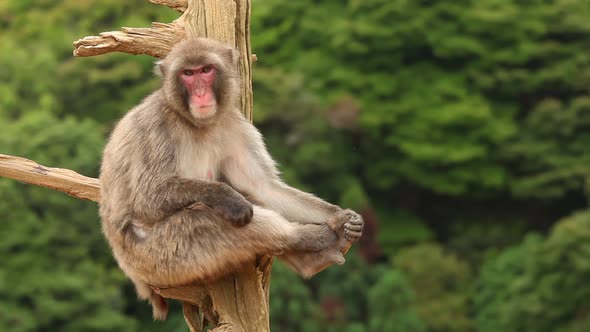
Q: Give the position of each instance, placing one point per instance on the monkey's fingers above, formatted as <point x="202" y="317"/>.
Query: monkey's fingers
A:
<point x="353" y="232"/>
<point x="348" y="225"/>
<point x="352" y="236"/>
<point x="353" y="228"/>
<point x="355" y="219"/>
<point x="238" y="214"/>
<point x="337" y="221"/>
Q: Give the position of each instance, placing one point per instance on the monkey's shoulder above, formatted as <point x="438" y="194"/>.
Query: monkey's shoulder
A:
<point x="149" y="113"/>
<point x="143" y="119"/>
<point x="141" y="139"/>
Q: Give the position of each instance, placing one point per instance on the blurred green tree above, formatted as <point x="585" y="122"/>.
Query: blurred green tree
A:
<point x="539" y="285"/>
<point x="292" y="308"/>
<point x="445" y="89"/>
<point x="57" y="273"/>
<point x="461" y="121"/>
<point x="391" y="305"/>
<point x="441" y="282"/>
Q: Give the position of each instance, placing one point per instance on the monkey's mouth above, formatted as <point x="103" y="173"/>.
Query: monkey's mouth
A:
<point x="203" y="111"/>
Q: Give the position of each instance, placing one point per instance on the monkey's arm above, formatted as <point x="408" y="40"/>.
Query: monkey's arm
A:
<point x="174" y="194"/>
<point x="252" y="171"/>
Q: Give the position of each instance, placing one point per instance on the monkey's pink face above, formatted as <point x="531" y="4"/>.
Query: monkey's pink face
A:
<point x="199" y="84"/>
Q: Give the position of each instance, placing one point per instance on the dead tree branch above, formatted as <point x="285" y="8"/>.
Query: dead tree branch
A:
<point x="155" y="41"/>
<point x="178" y="5"/>
<point x="60" y="179"/>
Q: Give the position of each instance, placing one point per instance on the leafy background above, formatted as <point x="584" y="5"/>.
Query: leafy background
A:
<point x="460" y="129"/>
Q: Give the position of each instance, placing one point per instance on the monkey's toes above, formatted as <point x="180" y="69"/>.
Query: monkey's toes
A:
<point x="353" y="233"/>
<point x="355" y="219"/>
<point x="351" y="225"/>
<point x="348" y="225"/>
<point x="353" y="229"/>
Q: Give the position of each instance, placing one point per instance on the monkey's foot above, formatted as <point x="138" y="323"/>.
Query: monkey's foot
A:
<point x="348" y="226"/>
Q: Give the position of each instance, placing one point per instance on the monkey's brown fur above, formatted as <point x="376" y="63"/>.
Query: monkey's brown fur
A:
<point x="171" y="206"/>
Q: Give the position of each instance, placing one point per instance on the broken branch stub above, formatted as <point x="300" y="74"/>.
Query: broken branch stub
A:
<point x="155" y="41"/>
<point x="178" y="5"/>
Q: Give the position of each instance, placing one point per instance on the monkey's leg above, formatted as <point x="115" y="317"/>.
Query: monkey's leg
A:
<point x="195" y="244"/>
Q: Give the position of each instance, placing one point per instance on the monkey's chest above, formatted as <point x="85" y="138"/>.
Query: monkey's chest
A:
<point x="199" y="164"/>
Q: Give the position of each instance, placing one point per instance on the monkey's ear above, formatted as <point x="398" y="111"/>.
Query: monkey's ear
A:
<point x="160" y="68"/>
<point x="231" y="56"/>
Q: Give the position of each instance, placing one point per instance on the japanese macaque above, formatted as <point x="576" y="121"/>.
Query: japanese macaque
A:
<point x="190" y="193"/>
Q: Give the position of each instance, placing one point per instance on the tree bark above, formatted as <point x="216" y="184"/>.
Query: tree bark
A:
<point x="60" y="179"/>
<point x="178" y="5"/>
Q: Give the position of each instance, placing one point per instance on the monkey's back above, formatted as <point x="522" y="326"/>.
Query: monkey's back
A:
<point x="133" y="159"/>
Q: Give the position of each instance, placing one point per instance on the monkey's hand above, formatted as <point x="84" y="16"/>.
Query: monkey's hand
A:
<point x="231" y="205"/>
<point x="349" y="227"/>
<point x="353" y="227"/>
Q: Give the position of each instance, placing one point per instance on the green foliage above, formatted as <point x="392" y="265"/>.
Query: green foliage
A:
<point x="58" y="265"/>
<point x="441" y="282"/>
<point x="442" y="90"/>
<point x="399" y="229"/>
<point x="476" y="241"/>
<point x="345" y="289"/>
<point x="391" y="305"/>
<point x="540" y="285"/>
<point x="291" y="304"/>
<point x="298" y="133"/>
<point x="553" y="148"/>
<point x="39" y="37"/>
<point x="434" y="114"/>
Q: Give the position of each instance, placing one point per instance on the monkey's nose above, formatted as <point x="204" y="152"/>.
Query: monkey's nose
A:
<point x="200" y="92"/>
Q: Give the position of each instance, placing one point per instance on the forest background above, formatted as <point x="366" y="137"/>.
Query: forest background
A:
<point x="460" y="129"/>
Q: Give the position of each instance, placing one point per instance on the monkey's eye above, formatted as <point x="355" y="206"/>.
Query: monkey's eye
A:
<point x="206" y="69"/>
<point x="188" y="72"/>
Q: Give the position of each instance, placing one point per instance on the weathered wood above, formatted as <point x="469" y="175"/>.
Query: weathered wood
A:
<point x="178" y="5"/>
<point x="155" y="41"/>
<point x="60" y="179"/>
<point x="228" y="301"/>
